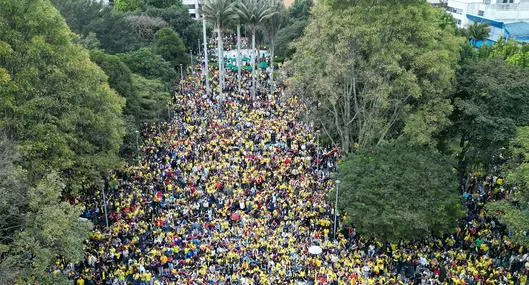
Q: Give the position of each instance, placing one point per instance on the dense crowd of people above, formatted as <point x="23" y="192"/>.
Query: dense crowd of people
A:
<point x="233" y="191"/>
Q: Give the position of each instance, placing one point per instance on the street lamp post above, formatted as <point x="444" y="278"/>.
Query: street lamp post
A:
<point x="318" y="150"/>
<point x="105" y="187"/>
<point x="137" y="142"/>
<point x="181" y="73"/>
<point x="336" y="208"/>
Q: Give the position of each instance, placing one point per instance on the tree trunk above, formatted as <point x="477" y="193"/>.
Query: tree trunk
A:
<point x="206" y="68"/>
<point x="220" y="58"/>
<point x="253" y="65"/>
<point x="239" y="57"/>
<point x="272" y="49"/>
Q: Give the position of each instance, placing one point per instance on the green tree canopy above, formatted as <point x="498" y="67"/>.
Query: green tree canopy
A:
<point x="149" y="64"/>
<point x="514" y="211"/>
<point x="296" y="21"/>
<point x="147" y="99"/>
<point x="510" y="51"/>
<point x="127" y="5"/>
<point x="35" y="226"/>
<point x="59" y="108"/>
<point x="397" y="192"/>
<point x="376" y="70"/>
<point x="170" y="46"/>
<point x="491" y="101"/>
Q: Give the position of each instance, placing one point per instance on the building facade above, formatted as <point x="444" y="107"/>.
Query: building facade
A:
<point x="193" y="6"/>
<point x="505" y="11"/>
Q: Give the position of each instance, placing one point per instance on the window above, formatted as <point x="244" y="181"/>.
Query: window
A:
<point x="480" y="13"/>
<point x="458" y="22"/>
<point x="506" y="1"/>
<point x="454" y="10"/>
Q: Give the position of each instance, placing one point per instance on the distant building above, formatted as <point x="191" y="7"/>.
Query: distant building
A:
<point x="506" y="11"/>
<point x="193" y="6"/>
<point x="507" y="19"/>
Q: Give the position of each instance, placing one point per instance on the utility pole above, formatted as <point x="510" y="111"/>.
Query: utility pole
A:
<point x="181" y="73"/>
<point x="206" y="68"/>
<point x="239" y="56"/>
<point x="105" y="188"/>
<point x="336" y="208"/>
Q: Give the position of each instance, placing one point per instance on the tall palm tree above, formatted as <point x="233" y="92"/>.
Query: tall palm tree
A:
<point x="253" y="13"/>
<point x="272" y="25"/>
<point x="219" y="12"/>
<point x="239" y="22"/>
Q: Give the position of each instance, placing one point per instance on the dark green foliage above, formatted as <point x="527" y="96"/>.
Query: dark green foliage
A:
<point x="147" y="100"/>
<point x="127" y="5"/>
<point x="161" y="3"/>
<point x="170" y="46"/>
<point x="491" y="101"/>
<point x="116" y="34"/>
<point x="287" y="35"/>
<point x="79" y="14"/>
<point x="397" y="192"/>
<point x="297" y="20"/>
<point x="13" y="193"/>
<point x="50" y="228"/>
<point x="114" y="31"/>
<point x="149" y="64"/>
<point x="177" y="18"/>
<point x="119" y="76"/>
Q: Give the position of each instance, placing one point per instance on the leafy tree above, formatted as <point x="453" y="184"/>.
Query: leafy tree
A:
<point x="287" y="35"/>
<point x="375" y="71"/>
<point x="13" y="191"/>
<point x="149" y="64"/>
<point x="170" y="46"/>
<point x="90" y="42"/>
<point x="161" y="3"/>
<point x="80" y="13"/>
<point x="297" y="20"/>
<point x="145" y="26"/>
<point x="514" y="211"/>
<point x="35" y="227"/>
<point x="60" y="110"/>
<point x="127" y="5"/>
<point x="394" y="191"/>
<point x="147" y="100"/>
<point x="154" y="99"/>
<point x="177" y="17"/>
<point x="51" y="229"/>
<point x="300" y="9"/>
<point x="491" y="100"/>
<point x="113" y="31"/>
<point x="510" y="51"/>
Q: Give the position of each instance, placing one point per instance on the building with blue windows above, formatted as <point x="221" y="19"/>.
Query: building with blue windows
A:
<point x="508" y="19"/>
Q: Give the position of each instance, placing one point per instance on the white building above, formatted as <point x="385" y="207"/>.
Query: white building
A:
<point x="193" y="7"/>
<point x="504" y="11"/>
